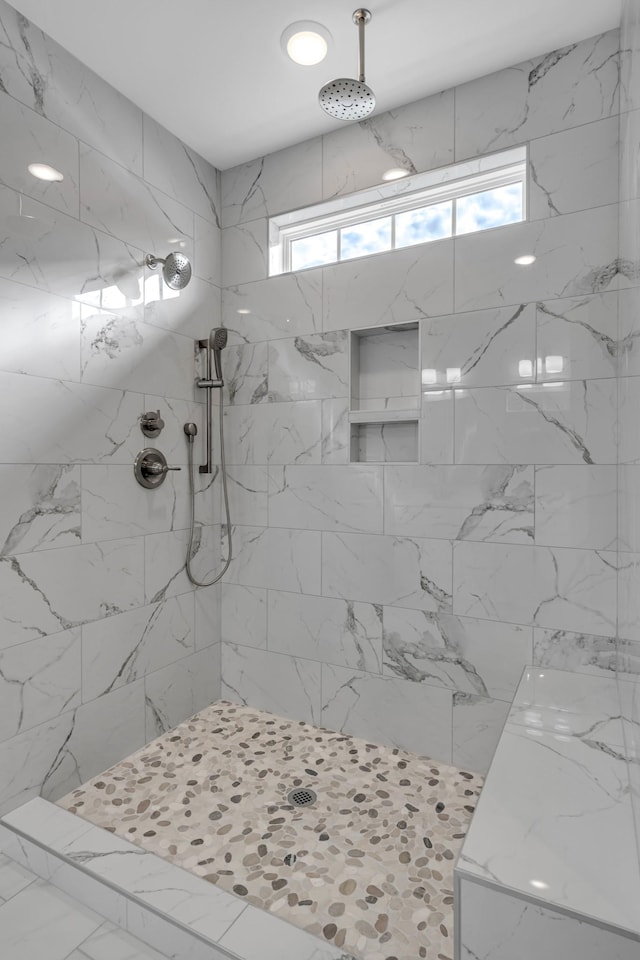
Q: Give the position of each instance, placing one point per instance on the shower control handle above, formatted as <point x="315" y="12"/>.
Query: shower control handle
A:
<point x="150" y="468"/>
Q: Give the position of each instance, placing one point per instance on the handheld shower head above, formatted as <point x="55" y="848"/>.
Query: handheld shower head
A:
<point x="176" y="269"/>
<point x="217" y="342"/>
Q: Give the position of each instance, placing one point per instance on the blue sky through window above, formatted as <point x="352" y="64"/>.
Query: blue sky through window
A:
<point x="419" y="226"/>
<point x="374" y="236"/>
<point x="492" y="208"/>
<point x="314" y="251"/>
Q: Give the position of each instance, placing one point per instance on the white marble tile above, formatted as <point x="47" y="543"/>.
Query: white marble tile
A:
<point x="44" y="823"/>
<point x="565" y="88"/>
<point x="296" y="430"/>
<point x="394" y="712"/>
<point x="172" y="440"/>
<point x="285" y="180"/>
<point x="574" y="170"/>
<point x="385" y="371"/>
<point x="13" y="878"/>
<point x="563" y="589"/>
<point x="477" y="725"/>
<point x="42" y="920"/>
<point x="97" y="268"/>
<point x="415" y="137"/>
<point x="31" y="757"/>
<point x="331" y="631"/>
<point x="179" y="690"/>
<point x="109" y="942"/>
<point x="118" y="202"/>
<point x="628" y="333"/>
<point x="388" y="570"/>
<point x="276" y="559"/>
<point x="389" y="287"/>
<point x="32" y="316"/>
<point x="528" y="930"/>
<point x="284" y="306"/>
<point x="257" y="935"/>
<point x="127" y="647"/>
<point x="244" y="615"/>
<point x="39" y="680"/>
<point x="335" y="431"/>
<point x="180" y="172"/>
<point x="245" y="253"/>
<point x="192" y="311"/>
<point x="41" y="74"/>
<point x="578" y="340"/>
<point x="207" y="260"/>
<point x="248" y="495"/>
<point x="460" y="502"/>
<point x="309" y="368"/>
<point x="326" y="497"/>
<point x="477" y="657"/>
<point x="269" y="681"/>
<point x="629" y="505"/>
<point x="165" y="555"/>
<point x="576" y="506"/>
<point x="481" y="348"/>
<point x="83" y="423"/>
<point x="628" y="596"/>
<point x="39" y="508"/>
<point x="167" y="937"/>
<point x="575" y="255"/>
<point x="245" y="373"/>
<point x="385" y="442"/>
<point x="578" y="652"/>
<point x="50" y="591"/>
<point x="628" y="405"/>
<point x="123" y="352"/>
<point x="246" y="431"/>
<point x="570" y="422"/>
<point x="31" y="138"/>
<point x="436" y="427"/>
<point x="207" y="616"/>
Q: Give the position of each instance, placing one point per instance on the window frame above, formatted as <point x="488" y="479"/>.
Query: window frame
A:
<point x="444" y="184"/>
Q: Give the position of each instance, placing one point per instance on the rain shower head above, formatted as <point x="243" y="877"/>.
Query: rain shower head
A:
<point x="176" y="269"/>
<point x="346" y="98"/>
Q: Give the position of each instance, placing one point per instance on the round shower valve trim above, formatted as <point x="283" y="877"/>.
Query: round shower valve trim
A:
<point x="150" y="468"/>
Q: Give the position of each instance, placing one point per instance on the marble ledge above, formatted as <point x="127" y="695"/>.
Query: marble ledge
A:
<point x="554" y="820"/>
<point x="158" y="899"/>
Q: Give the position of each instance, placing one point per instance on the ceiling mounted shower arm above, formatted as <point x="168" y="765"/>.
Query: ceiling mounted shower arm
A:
<point x="360" y="18"/>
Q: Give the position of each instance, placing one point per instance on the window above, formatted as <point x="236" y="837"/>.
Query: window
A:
<point x="463" y="198"/>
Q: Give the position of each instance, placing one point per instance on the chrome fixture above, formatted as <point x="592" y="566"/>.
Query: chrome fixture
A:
<point x="150" y="468"/>
<point x="151" y="423"/>
<point x="176" y="269"/>
<point x="191" y="431"/>
<point x="345" y="98"/>
<point x="214" y="346"/>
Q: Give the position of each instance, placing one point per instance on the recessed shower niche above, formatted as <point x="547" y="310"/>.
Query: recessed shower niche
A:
<point x="385" y="394"/>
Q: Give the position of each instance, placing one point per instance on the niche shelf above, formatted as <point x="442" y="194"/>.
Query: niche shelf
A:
<point x="384" y="410"/>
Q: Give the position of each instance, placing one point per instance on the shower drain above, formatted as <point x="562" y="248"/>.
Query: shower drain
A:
<point x="302" y="797"/>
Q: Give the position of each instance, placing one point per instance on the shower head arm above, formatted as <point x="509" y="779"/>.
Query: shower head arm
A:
<point x="152" y="262"/>
<point x="360" y="18"/>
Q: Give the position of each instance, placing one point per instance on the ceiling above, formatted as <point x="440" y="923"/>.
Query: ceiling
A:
<point x="214" y="73"/>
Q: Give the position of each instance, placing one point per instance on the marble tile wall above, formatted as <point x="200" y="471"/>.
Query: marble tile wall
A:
<point x="628" y="469"/>
<point x="401" y="602"/>
<point x="104" y="643"/>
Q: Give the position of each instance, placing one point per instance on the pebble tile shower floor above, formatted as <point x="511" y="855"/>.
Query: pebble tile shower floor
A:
<point x="368" y="866"/>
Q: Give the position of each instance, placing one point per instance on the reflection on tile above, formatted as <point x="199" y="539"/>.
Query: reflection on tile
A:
<point x="331" y="631"/>
<point x="436" y="428"/>
<point x="40" y="507"/>
<point x="568" y="422"/>
<point x="576" y="506"/>
<point x="484" y="347"/>
<point x="477" y="725"/>
<point x="244" y="615"/>
<point x="578" y="339"/>
<point x="474" y="656"/>
<point x="308" y="368"/>
<point x="564" y="88"/>
<point x="388" y="570"/>
<point x="325" y="497"/>
<point x="460" y="502"/>
<point x="558" y="588"/>
<point x="32" y="316"/>
<point x="285" y="306"/>
<point x="388" y="711"/>
<point x="270" y="681"/>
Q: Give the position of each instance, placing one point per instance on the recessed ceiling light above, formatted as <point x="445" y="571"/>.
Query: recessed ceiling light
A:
<point x="44" y="172"/>
<point x="395" y="173"/>
<point x="305" y="42"/>
<point x="526" y="260"/>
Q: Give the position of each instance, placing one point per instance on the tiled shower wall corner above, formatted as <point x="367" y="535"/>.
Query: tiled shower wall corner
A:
<point x="104" y="643"/>
<point x="401" y="602"/>
<point x="629" y="469"/>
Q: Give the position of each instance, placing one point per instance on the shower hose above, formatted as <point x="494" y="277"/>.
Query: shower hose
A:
<point x="192" y="493"/>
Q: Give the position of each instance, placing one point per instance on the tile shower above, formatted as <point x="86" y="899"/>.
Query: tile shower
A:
<point x="396" y="602"/>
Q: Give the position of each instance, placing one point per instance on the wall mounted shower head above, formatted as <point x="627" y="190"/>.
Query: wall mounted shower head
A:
<point x="346" y="98"/>
<point x="176" y="269"/>
<point x="218" y="341"/>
